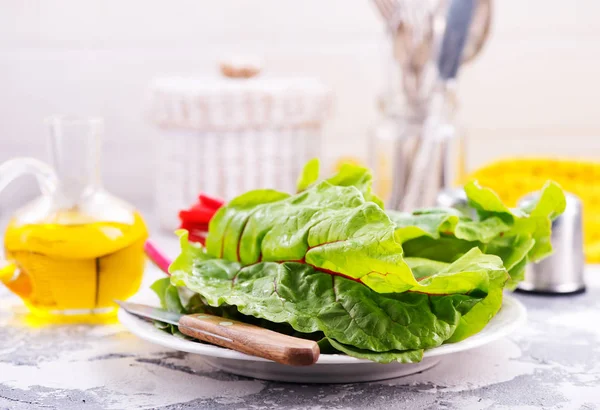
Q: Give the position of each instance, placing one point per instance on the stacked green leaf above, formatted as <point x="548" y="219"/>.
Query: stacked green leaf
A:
<point x="329" y="263"/>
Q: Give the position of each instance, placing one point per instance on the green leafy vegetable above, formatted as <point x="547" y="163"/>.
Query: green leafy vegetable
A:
<point x="329" y="264"/>
<point x="533" y="220"/>
<point x="329" y="227"/>
<point x="401" y="356"/>
<point x="358" y="177"/>
<point x="160" y="288"/>
<point x="343" y="309"/>
<point x="517" y="236"/>
<point x="309" y="175"/>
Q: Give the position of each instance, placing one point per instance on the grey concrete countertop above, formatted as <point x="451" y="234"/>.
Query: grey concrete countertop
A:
<point x="552" y="362"/>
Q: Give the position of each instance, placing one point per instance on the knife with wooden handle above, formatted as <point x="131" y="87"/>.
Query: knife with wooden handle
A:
<point x="239" y="336"/>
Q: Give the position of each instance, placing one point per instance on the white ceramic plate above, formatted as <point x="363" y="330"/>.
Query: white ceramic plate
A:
<point x="330" y="368"/>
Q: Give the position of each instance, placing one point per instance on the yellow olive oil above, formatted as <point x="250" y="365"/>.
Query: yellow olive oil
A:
<point x="73" y="267"/>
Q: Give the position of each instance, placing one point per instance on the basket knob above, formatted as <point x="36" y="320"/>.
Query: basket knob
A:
<point x="240" y="68"/>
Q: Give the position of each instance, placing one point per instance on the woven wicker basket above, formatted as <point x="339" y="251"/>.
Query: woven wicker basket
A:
<point x="225" y="136"/>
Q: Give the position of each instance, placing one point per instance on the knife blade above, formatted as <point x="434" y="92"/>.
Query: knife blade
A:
<point x="150" y="312"/>
<point x="243" y="337"/>
<point x="161" y="315"/>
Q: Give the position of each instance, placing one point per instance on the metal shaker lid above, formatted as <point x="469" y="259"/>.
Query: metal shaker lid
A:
<point x="562" y="271"/>
<point x="455" y="198"/>
<point x="451" y="198"/>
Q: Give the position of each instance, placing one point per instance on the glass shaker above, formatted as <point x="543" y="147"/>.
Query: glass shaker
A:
<point x="74" y="250"/>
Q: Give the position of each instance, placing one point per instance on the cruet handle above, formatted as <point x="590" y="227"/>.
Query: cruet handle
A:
<point x="14" y="168"/>
<point x="47" y="181"/>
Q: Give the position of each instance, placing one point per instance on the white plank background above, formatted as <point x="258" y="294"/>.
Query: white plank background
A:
<point x="534" y="88"/>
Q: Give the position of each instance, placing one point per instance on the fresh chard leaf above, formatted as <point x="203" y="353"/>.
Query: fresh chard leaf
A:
<point x="445" y="249"/>
<point x="348" y="175"/>
<point x="358" y="177"/>
<point x="330" y="346"/>
<point x="534" y="220"/>
<point x="160" y="288"/>
<point x="162" y="325"/>
<point x="430" y="223"/>
<point x="329" y="227"/>
<point x="329" y="264"/>
<point x="196" y="305"/>
<point x="173" y="301"/>
<point x="517" y="236"/>
<point x="479" y="316"/>
<point x="342" y="309"/>
<point x="309" y="175"/>
<point x="517" y="274"/>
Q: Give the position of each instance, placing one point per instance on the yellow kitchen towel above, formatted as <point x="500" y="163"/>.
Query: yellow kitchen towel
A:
<point x="516" y="177"/>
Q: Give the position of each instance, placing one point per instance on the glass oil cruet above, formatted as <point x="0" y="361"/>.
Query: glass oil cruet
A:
<point x="75" y="249"/>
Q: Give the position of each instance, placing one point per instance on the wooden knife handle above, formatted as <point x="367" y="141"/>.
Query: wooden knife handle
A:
<point x="250" y="339"/>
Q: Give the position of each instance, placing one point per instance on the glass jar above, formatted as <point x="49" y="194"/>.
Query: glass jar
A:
<point x="414" y="152"/>
<point x="416" y="149"/>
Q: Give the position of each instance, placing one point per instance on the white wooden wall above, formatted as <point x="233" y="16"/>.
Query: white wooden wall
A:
<point x="534" y="89"/>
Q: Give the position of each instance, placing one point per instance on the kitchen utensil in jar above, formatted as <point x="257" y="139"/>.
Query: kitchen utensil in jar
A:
<point x="412" y="99"/>
<point x="422" y="185"/>
<point x="386" y="8"/>
<point x="226" y="135"/>
<point x="415" y="28"/>
<point x="76" y="248"/>
<point x="562" y="272"/>
<point x="479" y="31"/>
<point x="391" y="12"/>
<point x="415" y="34"/>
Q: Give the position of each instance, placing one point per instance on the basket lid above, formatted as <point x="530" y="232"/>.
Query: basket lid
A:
<point x="239" y="99"/>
